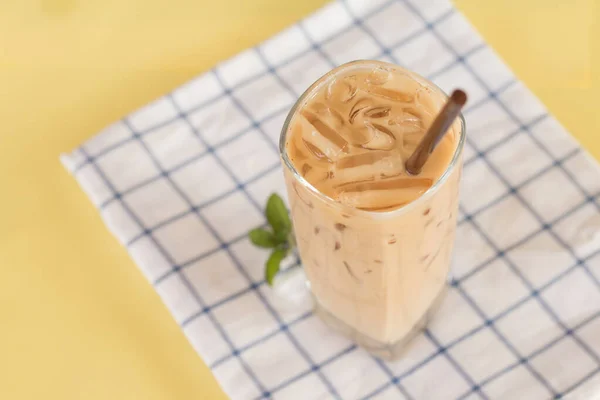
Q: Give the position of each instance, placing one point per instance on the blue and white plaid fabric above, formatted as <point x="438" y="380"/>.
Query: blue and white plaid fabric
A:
<point x="181" y="181"/>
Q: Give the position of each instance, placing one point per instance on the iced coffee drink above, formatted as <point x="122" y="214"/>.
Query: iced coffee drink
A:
<point x="374" y="240"/>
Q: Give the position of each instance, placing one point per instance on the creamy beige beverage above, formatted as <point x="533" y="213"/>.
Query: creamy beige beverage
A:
<point x="375" y="241"/>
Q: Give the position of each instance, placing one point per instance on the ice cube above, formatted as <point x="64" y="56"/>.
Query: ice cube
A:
<point x="322" y="141"/>
<point x="384" y="194"/>
<point x="381" y="137"/>
<point x="296" y="150"/>
<point x="377" y="112"/>
<point x="378" y="76"/>
<point x="325" y="130"/>
<point x="404" y="182"/>
<point x="316" y="152"/>
<point x="367" y="166"/>
<point x="357" y="160"/>
<point x="408" y="122"/>
<point x="353" y="175"/>
<point x="358" y="107"/>
<point x="342" y="89"/>
<point x="305" y="169"/>
<point x="356" y="135"/>
<point x="296" y="153"/>
<point x="372" y="201"/>
<point x="390" y="94"/>
<point x="316" y="175"/>
<point x="328" y="115"/>
<point x="411" y="139"/>
<point x="408" y="116"/>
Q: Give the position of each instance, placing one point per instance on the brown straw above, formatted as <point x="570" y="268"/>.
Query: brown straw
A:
<point x="438" y="129"/>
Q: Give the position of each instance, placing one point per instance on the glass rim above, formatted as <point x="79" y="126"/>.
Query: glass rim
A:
<point x="352" y="210"/>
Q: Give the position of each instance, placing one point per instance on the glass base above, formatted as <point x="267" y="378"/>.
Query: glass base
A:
<point x="385" y="351"/>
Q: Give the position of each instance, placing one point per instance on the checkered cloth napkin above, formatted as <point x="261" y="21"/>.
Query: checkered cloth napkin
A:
<point x="182" y="180"/>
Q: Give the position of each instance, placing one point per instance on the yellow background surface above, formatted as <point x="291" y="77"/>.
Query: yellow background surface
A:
<point x="77" y="318"/>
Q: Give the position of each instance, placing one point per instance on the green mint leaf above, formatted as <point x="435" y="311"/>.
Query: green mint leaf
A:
<point x="277" y="215"/>
<point x="281" y="237"/>
<point x="273" y="263"/>
<point x="263" y="238"/>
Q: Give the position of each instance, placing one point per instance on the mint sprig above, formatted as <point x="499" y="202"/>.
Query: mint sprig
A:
<point x="277" y="215"/>
<point x="273" y="264"/>
<point x="278" y="237"/>
<point x="263" y="238"/>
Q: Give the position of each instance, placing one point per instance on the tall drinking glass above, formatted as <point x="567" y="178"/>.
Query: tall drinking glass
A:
<point x="375" y="243"/>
